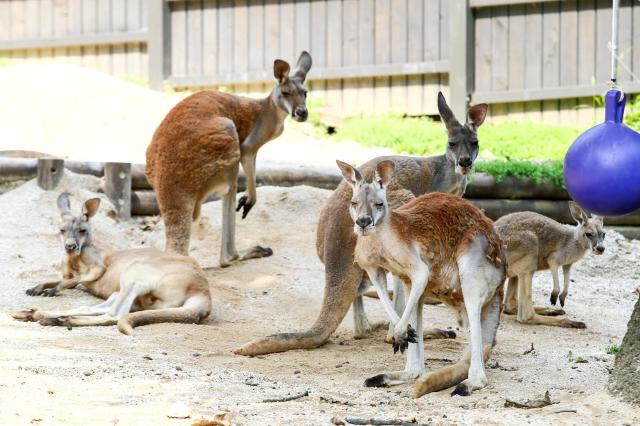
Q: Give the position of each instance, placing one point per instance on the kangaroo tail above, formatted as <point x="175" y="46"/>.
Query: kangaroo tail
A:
<point x="445" y="377"/>
<point x="192" y="313"/>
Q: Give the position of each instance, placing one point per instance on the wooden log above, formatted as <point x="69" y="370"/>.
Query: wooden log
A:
<point x="50" y="171"/>
<point x="12" y="169"/>
<point x="145" y="203"/>
<point x="555" y="209"/>
<point x="117" y="179"/>
<point x="139" y="178"/>
<point x="485" y="186"/>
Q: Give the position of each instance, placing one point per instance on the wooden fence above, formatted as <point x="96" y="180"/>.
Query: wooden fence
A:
<point x="543" y="60"/>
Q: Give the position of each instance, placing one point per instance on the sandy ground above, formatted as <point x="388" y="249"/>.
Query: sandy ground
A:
<point x="55" y="376"/>
<point x="84" y="114"/>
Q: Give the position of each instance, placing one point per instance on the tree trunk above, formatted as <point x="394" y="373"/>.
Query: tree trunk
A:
<point x="625" y="380"/>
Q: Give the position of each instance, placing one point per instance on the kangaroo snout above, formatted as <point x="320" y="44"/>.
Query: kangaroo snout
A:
<point x="599" y="249"/>
<point x="364" y="221"/>
<point x="465" y="162"/>
<point x="70" y="245"/>
<point x="300" y="114"/>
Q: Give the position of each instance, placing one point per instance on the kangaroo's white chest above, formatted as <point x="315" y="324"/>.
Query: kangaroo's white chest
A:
<point x="387" y="252"/>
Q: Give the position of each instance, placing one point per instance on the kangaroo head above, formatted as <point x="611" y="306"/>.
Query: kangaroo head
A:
<point x="75" y="231"/>
<point x="462" y="148"/>
<point x="290" y="94"/>
<point x="369" y="201"/>
<point x="590" y="228"/>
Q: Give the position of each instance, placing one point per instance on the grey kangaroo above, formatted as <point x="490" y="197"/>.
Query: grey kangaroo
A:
<point x="535" y="242"/>
<point x="335" y="240"/>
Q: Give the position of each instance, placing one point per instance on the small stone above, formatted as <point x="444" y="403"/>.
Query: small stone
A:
<point x="179" y="410"/>
<point x="296" y="372"/>
<point x="178" y="368"/>
<point x="147" y="357"/>
<point x="87" y="373"/>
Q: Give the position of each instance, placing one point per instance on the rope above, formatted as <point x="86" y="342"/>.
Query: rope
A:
<point x="615" y="12"/>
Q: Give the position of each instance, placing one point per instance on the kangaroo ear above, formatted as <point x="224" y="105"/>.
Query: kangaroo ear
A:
<point x="577" y="213"/>
<point x="281" y="70"/>
<point x="446" y="114"/>
<point x="302" y="67"/>
<point x="598" y="220"/>
<point x="351" y="175"/>
<point x="90" y="208"/>
<point x="476" y="115"/>
<point x="384" y="172"/>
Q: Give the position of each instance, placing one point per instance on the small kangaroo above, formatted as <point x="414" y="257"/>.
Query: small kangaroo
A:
<point x="535" y="242"/>
<point x="141" y="286"/>
<point x="441" y="246"/>
<point x="335" y="240"/>
<point x="199" y="145"/>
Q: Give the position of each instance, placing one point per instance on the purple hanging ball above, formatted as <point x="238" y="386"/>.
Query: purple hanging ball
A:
<point x="602" y="166"/>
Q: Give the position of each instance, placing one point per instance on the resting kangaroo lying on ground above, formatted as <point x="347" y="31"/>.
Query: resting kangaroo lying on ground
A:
<point x="335" y="241"/>
<point x="535" y="242"/>
<point x="441" y="246"/>
<point x="141" y="286"/>
<point x="197" y="148"/>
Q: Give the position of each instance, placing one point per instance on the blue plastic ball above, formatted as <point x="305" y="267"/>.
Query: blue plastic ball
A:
<point x="602" y="166"/>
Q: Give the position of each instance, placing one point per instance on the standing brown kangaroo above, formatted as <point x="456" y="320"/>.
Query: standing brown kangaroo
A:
<point x="199" y="145"/>
<point x="335" y="240"/>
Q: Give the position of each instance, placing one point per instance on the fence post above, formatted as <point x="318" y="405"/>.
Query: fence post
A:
<point x="117" y="186"/>
<point x="159" y="43"/>
<point x="50" y="171"/>
<point x="461" y="57"/>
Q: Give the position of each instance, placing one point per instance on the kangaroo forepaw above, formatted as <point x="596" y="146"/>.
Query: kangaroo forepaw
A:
<point x="562" y="298"/>
<point x="554" y="298"/>
<point x="401" y="341"/>
<point x="462" y="390"/>
<point x="24" y="315"/>
<point x="245" y="205"/>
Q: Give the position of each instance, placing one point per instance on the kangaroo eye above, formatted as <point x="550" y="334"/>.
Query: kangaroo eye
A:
<point x="286" y="93"/>
<point x="353" y="204"/>
<point x="379" y="205"/>
<point x="589" y="234"/>
<point x="452" y="144"/>
<point x="62" y="231"/>
<point x="82" y="231"/>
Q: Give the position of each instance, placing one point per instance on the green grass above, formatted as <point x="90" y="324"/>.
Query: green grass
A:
<point x="537" y="171"/>
<point x="5" y="62"/>
<point x="613" y="350"/>
<point x="422" y="136"/>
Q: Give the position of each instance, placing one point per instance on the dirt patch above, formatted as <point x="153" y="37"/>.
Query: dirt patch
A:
<point x="96" y="375"/>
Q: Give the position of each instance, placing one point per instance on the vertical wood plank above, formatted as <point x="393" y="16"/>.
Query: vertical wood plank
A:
<point x="366" y="53"/>
<point x="443" y="35"/>
<point x="569" y="44"/>
<point x="119" y="23"/>
<point x="533" y="110"/>
<point x="209" y="37"/>
<point x="483" y="50"/>
<point x="434" y="28"/>
<point x="586" y="42"/>
<point x="414" y="54"/>
<point x="194" y="38"/>
<point x="334" y="52"/>
<point x="5" y="20"/>
<point x="18" y="27"/>
<point x="225" y="36"/>
<point x="533" y="49"/>
<point x="32" y="27"/>
<point x="287" y="32"/>
<point x="382" y="54"/>
<point x="179" y="40"/>
<point x="603" y="36"/>
<point x="517" y="46"/>
<point x="272" y="32"/>
<point x="46" y="27"/>
<point x="74" y="26"/>
<point x="635" y="55"/>
<point x="500" y="49"/>
<point x="550" y="111"/>
<point x="89" y="25"/>
<point x="399" y="40"/>
<point x="350" y="50"/>
<point x="302" y="26"/>
<point x="104" y="26"/>
<point x="568" y="112"/>
<point x="625" y="40"/>
<point x="133" y="54"/>
<point x="550" y="45"/>
<point x="319" y="45"/>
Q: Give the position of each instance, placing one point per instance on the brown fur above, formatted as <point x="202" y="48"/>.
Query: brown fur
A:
<point x="198" y="147"/>
<point x="173" y="286"/>
<point x="335" y="240"/>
